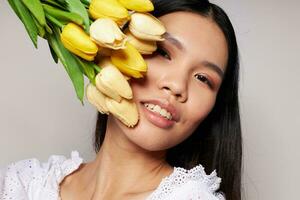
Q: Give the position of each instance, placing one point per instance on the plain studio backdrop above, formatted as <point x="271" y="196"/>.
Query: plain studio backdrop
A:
<point x="40" y="114"/>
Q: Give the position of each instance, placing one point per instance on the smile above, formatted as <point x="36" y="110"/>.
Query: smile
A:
<point x="158" y="116"/>
<point x="157" y="109"/>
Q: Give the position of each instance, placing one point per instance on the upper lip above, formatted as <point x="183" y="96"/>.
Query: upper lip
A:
<point x="166" y="105"/>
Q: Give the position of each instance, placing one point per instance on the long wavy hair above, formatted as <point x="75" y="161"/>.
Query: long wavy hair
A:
<point x="217" y="141"/>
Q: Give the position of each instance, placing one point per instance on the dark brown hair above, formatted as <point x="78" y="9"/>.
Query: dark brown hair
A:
<point x="217" y="142"/>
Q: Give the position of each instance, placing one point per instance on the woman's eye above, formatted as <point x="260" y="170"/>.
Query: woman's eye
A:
<point x="204" y="79"/>
<point x="162" y="52"/>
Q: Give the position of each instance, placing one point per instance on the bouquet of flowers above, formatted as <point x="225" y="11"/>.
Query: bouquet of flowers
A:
<point x="101" y="39"/>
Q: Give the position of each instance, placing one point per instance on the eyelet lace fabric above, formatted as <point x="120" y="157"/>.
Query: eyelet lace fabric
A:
<point x="32" y="180"/>
<point x="193" y="184"/>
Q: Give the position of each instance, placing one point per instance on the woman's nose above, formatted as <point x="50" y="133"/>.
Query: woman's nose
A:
<point x="174" y="85"/>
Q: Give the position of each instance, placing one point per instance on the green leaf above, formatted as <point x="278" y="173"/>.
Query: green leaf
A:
<point x="48" y="29"/>
<point x="60" y="5"/>
<point x="53" y="54"/>
<point x="54" y="20"/>
<point x="36" y="9"/>
<point x="27" y="20"/>
<point x="13" y="6"/>
<point x="97" y="68"/>
<point x="76" y="6"/>
<point x="63" y="2"/>
<point x="63" y="15"/>
<point x="69" y="62"/>
<point x="41" y="29"/>
<point x="86" y="2"/>
<point x="87" y="68"/>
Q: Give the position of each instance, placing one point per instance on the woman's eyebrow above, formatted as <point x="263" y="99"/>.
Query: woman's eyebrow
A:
<point x="173" y="40"/>
<point x="214" y="67"/>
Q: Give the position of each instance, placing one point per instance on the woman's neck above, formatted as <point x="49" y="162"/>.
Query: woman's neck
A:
<point x="122" y="168"/>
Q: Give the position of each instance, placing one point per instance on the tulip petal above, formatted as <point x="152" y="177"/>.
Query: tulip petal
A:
<point x="115" y="79"/>
<point x="128" y="58"/>
<point x="138" y="5"/>
<point x="78" y="42"/>
<point x="106" y="33"/>
<point x="108" y="8"/>
<point x="125" y="111"/>
<point x="96" y="98"/>
<point x="76" y="51"/>
<point x="143" y="46"/>
<point x="111" y="82"/>
<point x="131" y="72"/>
<point x="146" y="26"/>
<point x="105" y="89"/>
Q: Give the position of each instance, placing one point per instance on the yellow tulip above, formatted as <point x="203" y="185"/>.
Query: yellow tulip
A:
<point x="129" y="61"/>
<point x="78" y="42"/>
<point x="146" y="27"/>
<point x="96" y="98"/>
<point x="138" y="5"/>
<point x="125" y="110"/>
<point x="111" y="82"/>
<point x="143" y="46"/>
<point x="106" y="33"/>
<point x="103" y="60"/>
<point x="109" y="9"/>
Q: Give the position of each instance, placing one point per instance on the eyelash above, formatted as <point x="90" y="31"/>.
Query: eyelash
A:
<point x="204" y="79"/>
<point x="163" y="52"/>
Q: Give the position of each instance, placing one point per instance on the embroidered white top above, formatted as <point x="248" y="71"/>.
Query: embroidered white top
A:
<point x="32" y="180"/>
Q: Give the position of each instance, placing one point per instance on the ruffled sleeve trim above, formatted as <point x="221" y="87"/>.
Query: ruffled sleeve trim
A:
<point x="58" y="167"/>
<point x="35" y="180"/>
<point x="62" y="166"/>
<point x="197" y="173"/>
<point x="181" y="177"/>
<point x="51" y="174"/>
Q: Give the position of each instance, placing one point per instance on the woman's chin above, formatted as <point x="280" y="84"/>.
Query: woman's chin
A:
<point x="147" y="136"/>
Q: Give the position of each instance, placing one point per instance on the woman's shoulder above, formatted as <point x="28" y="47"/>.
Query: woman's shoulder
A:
<point x="189" y="184"/>
<point x="31" y="177"/>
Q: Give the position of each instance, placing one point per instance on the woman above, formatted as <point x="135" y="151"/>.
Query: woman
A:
<point x="189" y="118"/>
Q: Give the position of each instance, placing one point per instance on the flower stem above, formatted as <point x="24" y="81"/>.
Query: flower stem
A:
<point x="54" y="20"/>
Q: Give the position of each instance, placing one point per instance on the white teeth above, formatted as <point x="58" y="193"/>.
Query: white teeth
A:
<point x="156" y="108"/>
<point x="151" y="105"/>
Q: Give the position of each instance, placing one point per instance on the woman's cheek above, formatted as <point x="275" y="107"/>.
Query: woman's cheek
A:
<point x="201" y="105"/>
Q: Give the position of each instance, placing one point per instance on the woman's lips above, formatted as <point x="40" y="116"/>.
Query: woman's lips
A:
<point x="157" y="119"/>
<point x="163" y="103"/>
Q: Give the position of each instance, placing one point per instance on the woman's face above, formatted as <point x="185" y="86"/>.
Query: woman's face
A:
<point x="183" y="76"/>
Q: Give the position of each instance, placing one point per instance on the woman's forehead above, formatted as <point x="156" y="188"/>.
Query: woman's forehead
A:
<point x="196" y="34"/>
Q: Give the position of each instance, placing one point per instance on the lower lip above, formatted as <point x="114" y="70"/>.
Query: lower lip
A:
<point x="157" y="119"/>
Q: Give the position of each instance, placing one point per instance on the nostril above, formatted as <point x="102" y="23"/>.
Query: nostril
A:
<point x="167" y="89"/>
<point x="177" y="95"/>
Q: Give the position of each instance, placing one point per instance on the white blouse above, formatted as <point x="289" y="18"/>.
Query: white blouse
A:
<point x="32" y="180"/>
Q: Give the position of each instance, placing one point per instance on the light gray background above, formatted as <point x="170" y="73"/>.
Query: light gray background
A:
<point x="40" y="115"/>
